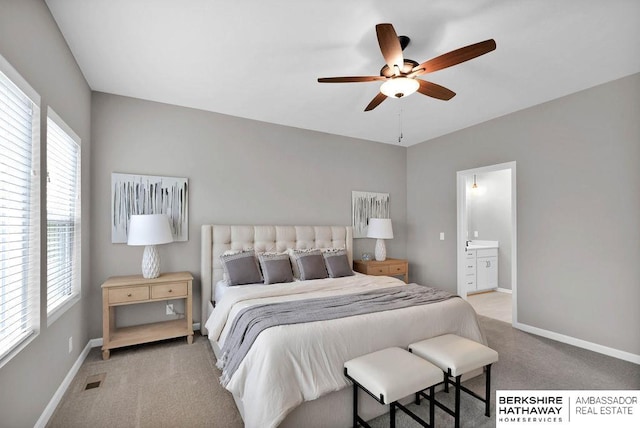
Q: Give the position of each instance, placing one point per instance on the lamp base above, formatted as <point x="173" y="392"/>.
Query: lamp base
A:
<point x="150" y="262"/>
<point x="381" y="250"/>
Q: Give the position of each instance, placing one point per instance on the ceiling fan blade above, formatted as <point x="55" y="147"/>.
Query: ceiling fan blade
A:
<point x="375" y="102"/>
<point x="390" y="46"/>
<point x="455" y="57"/>
<point x="435" y="91"/>
<point x="350" y="79"/>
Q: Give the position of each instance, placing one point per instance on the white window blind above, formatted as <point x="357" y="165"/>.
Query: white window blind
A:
<point x="63" y="214"/>
<point x="19" y="212"/>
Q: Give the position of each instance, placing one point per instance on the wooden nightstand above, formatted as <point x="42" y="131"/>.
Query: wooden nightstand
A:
<point x="129" y="290"/>
<point x="389" y="267"/>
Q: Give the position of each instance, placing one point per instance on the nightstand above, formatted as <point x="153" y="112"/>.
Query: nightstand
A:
<point x="389" y="267"/>
<point x="134" y="289"/>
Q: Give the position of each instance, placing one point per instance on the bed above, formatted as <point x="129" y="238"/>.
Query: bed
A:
<point x="292" y="375"/>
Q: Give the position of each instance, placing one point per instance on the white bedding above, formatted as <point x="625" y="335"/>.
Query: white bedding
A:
<point x="294" y="363"/>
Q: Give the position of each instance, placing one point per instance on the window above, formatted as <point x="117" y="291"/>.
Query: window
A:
<point x="63" y="215"/>
<point x="19" y="212"/>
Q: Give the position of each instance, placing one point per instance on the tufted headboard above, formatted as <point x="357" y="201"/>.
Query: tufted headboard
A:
<point x="216" y="239"/>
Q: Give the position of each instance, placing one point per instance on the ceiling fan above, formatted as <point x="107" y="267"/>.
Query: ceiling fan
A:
<point x="400" y="75"/>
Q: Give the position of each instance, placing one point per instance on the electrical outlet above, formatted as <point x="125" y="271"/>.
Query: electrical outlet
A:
<point x="70" y="344"/>
<point x="170" y="309"/>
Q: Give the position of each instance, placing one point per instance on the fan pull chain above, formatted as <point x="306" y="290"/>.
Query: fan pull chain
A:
<point x="400" y="136"/>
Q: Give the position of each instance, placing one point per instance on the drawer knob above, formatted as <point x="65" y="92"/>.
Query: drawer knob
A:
<point x="128" y="294"/>
<point x="170" y="290"/>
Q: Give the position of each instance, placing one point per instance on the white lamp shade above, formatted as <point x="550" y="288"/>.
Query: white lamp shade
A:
<point x="380" y="228"/>
<point x="149" y="229"/>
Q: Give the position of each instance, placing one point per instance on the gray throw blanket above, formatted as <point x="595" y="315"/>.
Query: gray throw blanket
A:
<point x="250" y="322"/>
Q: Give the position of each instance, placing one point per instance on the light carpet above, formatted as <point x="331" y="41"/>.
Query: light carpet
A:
<point x="172" y="384"/>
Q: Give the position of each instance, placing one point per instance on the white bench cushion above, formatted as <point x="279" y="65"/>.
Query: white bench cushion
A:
<point x="456" y="353"/>
<point x="393" y="372"/>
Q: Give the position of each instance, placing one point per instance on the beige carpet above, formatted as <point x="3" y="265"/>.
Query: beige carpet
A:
<point x="164" y="384"/>
<point x="172" y="384"/>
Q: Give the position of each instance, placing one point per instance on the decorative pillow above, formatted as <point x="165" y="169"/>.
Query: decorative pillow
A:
<point x="310" y="264"/>
<point x="337" y="263"/>
<point x="225" y="276"/>
<point x="294" y="264"/>
<point x="276" y="267"/>
<point x="241" y="268"/>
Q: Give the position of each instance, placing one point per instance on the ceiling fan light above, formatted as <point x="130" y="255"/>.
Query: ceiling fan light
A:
<point x="399" y="87"/>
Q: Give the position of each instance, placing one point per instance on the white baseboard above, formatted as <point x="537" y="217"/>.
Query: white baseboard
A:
<point x="505" y="290"/>
<point x="57" y="397"/>
<point x="601" y="349"/>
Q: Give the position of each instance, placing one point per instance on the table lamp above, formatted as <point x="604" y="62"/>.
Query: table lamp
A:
<point x="149" y="230"/>
<point x="380" y="228"/>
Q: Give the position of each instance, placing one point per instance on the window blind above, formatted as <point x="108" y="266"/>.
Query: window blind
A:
<point x="63" y="213"/>
<point x="19" y="213"/>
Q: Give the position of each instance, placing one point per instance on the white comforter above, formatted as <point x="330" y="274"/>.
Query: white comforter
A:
<point x="290" y="364"/>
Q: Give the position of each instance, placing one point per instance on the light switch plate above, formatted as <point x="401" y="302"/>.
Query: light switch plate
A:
<point x="442" y="236"/>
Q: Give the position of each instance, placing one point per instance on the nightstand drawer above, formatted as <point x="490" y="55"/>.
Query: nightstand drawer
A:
<point x="378" y="270"/>
<point x="396" y="269"/>
<point x="128" y="294"/>
<point x="172" y="289"/>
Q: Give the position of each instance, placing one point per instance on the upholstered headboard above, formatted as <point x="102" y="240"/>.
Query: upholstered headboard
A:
<point x="216" y="239"/>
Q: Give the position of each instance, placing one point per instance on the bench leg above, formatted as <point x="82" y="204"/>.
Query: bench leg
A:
<point x="432" y="405"/>
<point x="392" y="415"/>
<point x="446" y="382"/>
<point x="355" y="405"/>
<point x="487" y="386"/>
<point x="457" y="403"/>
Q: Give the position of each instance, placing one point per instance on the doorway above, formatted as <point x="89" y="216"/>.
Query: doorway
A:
<point x="478" y="197"/>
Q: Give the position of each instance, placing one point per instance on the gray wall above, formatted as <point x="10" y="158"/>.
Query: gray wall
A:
<point x="31" y="42"/>
<point x="578" y="207"/>
<point x="489" y="213"/>
<point x="240" y="171"/>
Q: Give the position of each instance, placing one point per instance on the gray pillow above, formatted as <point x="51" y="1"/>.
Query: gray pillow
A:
<point x="241" y="268"/>
<point x="310" y="264"/>
<point x="275" y="267"/>
<point x="337" y="264"/>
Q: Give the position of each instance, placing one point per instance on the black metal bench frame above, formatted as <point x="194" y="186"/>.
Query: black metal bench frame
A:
<point x="455" y="382"/>
<point x="358" y="421"/>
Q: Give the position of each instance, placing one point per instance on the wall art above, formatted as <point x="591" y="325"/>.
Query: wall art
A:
<point x="147" y="194"/>
<point x="366" y="205"/>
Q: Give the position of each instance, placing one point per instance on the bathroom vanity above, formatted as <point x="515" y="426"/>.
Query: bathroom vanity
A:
<point x="481" y="266"/>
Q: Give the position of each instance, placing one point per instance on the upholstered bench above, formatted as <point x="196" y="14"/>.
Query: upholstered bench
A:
<point x="455" y="356"/>
<point x="389" y="375"/>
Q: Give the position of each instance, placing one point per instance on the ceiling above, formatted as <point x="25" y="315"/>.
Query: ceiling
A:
<point x="261" y="59"/>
